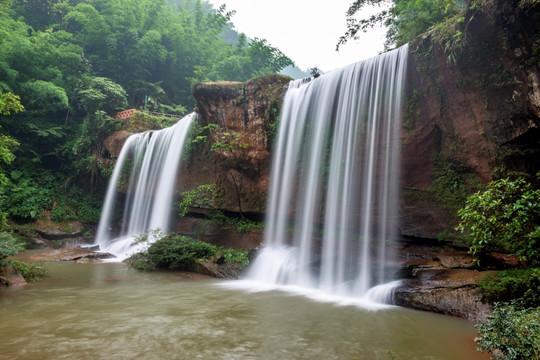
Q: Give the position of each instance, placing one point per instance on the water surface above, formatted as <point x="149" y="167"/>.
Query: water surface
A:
<point x="109" y="311"/>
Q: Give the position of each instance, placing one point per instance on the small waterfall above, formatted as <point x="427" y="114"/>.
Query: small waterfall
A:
<point x="147" y="167"/>
<point x="334" y="191"/>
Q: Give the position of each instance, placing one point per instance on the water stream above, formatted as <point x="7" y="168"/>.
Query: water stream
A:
<point x="109" y="311"/>
<point x="146" y="168"/>
<point x="334" y="193"/>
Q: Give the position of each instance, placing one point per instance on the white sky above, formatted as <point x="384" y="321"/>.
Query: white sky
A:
<point x="306" y="31"/>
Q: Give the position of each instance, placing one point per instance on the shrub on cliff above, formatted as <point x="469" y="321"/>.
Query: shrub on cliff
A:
<point x="521" y="285"/>
<point x="504" y="217"/>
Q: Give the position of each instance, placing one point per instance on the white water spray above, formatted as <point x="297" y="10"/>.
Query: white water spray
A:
<point x="334" y="191"/>
<point x="147" y="165"/>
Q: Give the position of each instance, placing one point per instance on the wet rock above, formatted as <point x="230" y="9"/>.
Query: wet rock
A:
<point x="56" y="234"/>
<point x="221" y="271"/>
<point x="9" y="277"/>
<point x="456" y="259"/>
<point x="69" y="254"/>
<point x="500" y="260"/>
<point x="465" y="301"/>
<point x="114" y="142"/>
<point x="442" y="279"/>
<point x="40" y="243"/>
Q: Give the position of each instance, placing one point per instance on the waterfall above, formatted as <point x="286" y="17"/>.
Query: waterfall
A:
<point x="334" y="181"/>
<point x="147" y="167"/>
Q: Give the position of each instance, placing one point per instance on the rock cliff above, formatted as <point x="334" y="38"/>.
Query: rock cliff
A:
<point x="467" y="119"/>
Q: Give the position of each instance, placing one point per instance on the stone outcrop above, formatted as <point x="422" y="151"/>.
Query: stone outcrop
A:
<point x="440" y="278"/>
<point x="241" y="120"/>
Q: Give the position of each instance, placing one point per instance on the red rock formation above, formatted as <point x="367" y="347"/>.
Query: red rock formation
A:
<point x="464" y="120"/>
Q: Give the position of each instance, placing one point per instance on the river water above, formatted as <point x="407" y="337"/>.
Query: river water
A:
<point x="109" y="311"/>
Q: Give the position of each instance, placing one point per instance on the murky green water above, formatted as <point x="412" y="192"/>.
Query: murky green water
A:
<point x="109" y="311"/>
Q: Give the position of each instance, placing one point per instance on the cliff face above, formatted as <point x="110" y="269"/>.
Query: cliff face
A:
<point x="466" y="120"/>
<point x="237" y="122"/>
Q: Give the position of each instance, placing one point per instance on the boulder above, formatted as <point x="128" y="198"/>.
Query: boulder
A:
<point x="9" y="277"/>
<point x="220" y="271"/>
<point x="440" y="278"/>
<point x="69" y="254"/>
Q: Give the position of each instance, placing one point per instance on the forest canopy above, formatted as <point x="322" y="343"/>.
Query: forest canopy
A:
<point x="67" y="65"/>
<point x="406" y="19"/>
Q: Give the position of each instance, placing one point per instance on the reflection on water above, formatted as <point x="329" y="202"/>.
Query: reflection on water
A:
<point x="109" y="311"/>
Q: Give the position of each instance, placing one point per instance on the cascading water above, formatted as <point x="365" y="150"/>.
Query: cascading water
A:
<point x="148" y="164"/>
<point x="333" y="197"/>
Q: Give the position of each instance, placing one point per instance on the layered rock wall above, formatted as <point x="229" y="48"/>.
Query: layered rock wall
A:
<point x="466" y="120"/>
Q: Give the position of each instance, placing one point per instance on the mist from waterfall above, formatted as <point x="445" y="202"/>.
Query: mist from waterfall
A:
<point x="146" y="169"/>
<point x="334" y="182"/>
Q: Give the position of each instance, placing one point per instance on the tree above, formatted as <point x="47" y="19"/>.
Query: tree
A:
<point x="405" y="19"/>
<point x="99" y="93"/>
<point x="10" y="103"/>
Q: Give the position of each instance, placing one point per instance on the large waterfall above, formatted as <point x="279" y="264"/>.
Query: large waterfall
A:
<point x="334" y="191"/>
<point x="147" y="168"/>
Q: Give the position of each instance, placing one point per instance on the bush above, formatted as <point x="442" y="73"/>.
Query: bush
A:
<point x="181" y="252"/>
<point x="521" y="285"/>
<point x="512" y="332"/>
<point x="30" y="270"/>
<point x="140" y="261"/>
<point x="25" y="197"/>
<point x="8" y="245"/>
<point x="234" y="256"/>
<point x="504" y="217"/>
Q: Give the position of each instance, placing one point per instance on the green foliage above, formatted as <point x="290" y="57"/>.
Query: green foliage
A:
<point x="30" y="270"/>
<point x="142" y="121"/>
<point x="514" y="334"/>
<point x="9" y="246"/>
<point x="6" y="157"/>
<point x="74" y="63"/>
<point x="228" y="142"/>
<point x="30" y="193"/>
<point x="504" y="217"/>
<point x="234" y="256"/>
<point x="25" y="197"/>
<point x="243" y="225"/>
<point x="521" y="285"/>
<point x="173" y="251"/>
<point x="179" y="252"/>
<point x="140" y="261"/>
<point x="249" y="59"/>
<point x="448" y="186"/>
<point x="100" y="93"/>
<point x="404" y="19"/>
<point x="197" y="138"/>
<point x="74" y="203"/>
<point x="201" y="197"/>
<point x="10" y="103"/>
<point x="44" y="96"/>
